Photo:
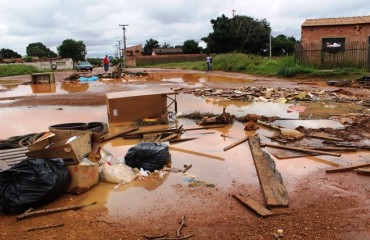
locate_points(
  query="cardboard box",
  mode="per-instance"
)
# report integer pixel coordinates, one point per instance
(136, 105)
(83, 177)
(70, 145)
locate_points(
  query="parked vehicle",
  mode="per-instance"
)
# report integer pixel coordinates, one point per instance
(84, 65)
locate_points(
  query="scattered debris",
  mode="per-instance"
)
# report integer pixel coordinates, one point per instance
(45, 227)
(187, 167)
(223, 118)
(291, 134)
(192, 182)
(29, 213)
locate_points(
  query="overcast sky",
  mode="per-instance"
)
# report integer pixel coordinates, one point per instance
(96, 22)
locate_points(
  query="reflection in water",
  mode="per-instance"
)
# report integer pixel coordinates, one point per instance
(43, 88)
(193, 78)
(73, 87)
(9, 86)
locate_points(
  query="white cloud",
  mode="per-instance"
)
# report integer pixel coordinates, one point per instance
(97, 22)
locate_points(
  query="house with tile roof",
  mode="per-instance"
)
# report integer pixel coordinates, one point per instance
(336, 40)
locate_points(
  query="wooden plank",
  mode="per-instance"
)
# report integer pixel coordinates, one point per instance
(121, 133)
(270, 179)
(181, 140)
(343, 169)
(255, 206)
(363, 170)
(236, 143)
(301, 149)
(325, 137)
(172, 136)
(284, 154)
(196, 153)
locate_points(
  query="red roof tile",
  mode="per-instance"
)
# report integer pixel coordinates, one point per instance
(336, 21)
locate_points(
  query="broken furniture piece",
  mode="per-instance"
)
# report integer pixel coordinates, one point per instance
(47, 77)
(137, 105)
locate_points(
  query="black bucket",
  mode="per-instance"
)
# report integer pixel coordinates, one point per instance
(70, 126)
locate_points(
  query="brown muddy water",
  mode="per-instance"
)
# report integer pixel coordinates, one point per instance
(209, 162)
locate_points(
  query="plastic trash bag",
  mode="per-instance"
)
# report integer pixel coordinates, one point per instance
(32, 183)
(117, 173)
(89, 79)
(148, 155)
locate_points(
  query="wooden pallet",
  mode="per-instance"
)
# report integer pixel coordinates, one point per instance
(11, 157)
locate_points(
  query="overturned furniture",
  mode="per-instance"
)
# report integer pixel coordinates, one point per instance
(47, 77)
(135, 105)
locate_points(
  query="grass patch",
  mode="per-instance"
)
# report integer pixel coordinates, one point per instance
(19, 69)
(258, 65)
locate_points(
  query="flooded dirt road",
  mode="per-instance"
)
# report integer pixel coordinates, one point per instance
(321, 205)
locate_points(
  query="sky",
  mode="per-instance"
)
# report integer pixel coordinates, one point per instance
(96, 22)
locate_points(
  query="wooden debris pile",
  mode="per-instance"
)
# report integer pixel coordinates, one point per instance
(223, 118)
(279, 95)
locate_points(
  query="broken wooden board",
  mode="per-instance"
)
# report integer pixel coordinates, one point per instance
(283, 154)
(255, 206)
(270, 179)
(325, 136)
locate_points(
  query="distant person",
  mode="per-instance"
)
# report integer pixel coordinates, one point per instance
(106, 63)
(209, 62)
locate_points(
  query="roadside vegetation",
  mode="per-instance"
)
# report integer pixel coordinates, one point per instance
(259, 65)
(19, 69)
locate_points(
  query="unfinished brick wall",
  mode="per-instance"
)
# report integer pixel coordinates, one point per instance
(352, 33)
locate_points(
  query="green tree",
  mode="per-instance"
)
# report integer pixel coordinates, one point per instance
(8, 53)
(282, 45)
(148, 47)
(238, 34)
(166, 45)
(72, 49)
(191, 47)
(39, 50)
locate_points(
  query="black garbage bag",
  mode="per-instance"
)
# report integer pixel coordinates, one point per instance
(148, 155)
(32, 183)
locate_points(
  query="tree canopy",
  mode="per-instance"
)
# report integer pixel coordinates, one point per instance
(72, 49)
(148, 47)
(8, 53)
(191, 47)
(282, 45)
(39, 50)
(238, 34)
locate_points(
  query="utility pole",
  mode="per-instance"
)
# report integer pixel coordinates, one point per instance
(119, 48)
(270, 53)
(116, 51)
(124, 41)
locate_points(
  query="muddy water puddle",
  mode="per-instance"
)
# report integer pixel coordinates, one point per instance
(209, 162)
(15, 87)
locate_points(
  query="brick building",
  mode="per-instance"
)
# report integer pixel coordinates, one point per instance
(333, 42)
